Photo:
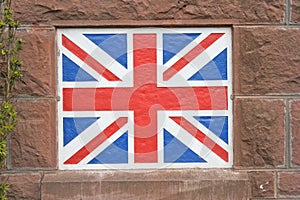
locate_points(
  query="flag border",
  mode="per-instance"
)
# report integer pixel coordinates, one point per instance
(61, 166)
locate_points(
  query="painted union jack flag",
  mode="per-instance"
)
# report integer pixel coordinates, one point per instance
(144, 98)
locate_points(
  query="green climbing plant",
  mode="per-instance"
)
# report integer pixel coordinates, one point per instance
(3, 191)
(10, 72)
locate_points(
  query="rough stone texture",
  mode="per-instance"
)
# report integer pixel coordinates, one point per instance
(295, 11)
(22, 186)
(33, 143)
(289, 184)
(266, 60)
(38, 62)
(273, 198)
(262, 184)
(258, 11)
(295, 120)
(259, 133)
(171, 185)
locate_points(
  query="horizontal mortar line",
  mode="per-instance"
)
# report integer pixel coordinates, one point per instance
(141, 179)
(37, 98)
(280, 197)
(135, 177)
(294, 169)
(34, 98)
(28, 171)
(271, 96)
(101, 171)
(158, 23)
(147, 23)
(296, 24)
(40, 27)
(140, 23)
(287, 197)
(279, 25)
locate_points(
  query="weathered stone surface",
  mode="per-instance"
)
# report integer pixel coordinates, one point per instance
(174, 190)
(266, 60)
(266, 11)
(171, 185)
(262, 184)
(289, 183)
(295, 120)
(33, 143)
(295, 11)
(39, 68)
(22, 186)
(259, 133)
(273, 198)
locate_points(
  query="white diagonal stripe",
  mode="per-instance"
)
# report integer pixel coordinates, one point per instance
(200, 61)
(204, 58)
(191, 142)
(104, 145)
(86, 136)
(97, 53)
(185, 50)
(81, 64)
(207, 132)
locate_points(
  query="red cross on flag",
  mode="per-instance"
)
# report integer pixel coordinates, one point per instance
(145, 98)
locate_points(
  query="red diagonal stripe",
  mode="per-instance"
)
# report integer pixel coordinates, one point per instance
(192, 54)
(96, 141)
(85, 57)
(201, 137)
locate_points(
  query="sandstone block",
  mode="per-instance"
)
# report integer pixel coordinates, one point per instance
(262, 184)
(259, 133)
(266, 60)
(39, 67)
(295, 127)
(289, 183)
(154, 185)
(33, 143)
(22, 186)
(295, 11)
(258, 11)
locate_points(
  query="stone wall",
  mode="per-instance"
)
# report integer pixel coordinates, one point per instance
(266, 65)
